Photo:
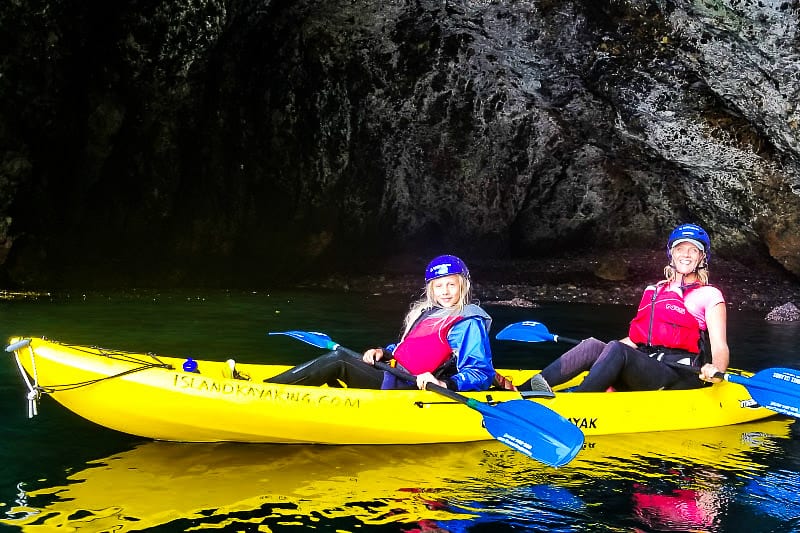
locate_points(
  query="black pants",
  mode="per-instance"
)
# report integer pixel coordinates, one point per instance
(619, 365)
(332, 369)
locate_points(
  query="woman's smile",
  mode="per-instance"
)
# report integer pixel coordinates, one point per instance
(686, 257)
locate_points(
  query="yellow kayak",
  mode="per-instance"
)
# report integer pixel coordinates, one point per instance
(152, 396)
(159, 483)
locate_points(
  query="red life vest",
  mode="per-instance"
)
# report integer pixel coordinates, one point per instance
(425, 347)
(663, 320)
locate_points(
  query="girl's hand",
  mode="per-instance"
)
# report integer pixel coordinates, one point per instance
(425, 378)
(372, 355)
(708, 372)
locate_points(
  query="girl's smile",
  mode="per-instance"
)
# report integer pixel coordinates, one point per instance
(447, 290)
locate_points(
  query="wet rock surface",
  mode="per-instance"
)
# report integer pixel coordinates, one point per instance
(787, 312)
(575, 279)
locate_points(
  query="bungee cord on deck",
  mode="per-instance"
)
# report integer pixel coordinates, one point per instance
(35, 390)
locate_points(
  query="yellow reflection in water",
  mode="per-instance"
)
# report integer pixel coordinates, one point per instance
(160, 482)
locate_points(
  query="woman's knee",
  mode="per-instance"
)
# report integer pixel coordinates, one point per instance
(593, 344)
(614, 350)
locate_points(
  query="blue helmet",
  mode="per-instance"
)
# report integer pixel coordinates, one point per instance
(690, 233)
(445, 265)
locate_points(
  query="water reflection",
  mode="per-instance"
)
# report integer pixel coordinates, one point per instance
(665, 481)
(699, 507)
(777, 495)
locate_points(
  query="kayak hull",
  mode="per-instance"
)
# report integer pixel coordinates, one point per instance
(151, 396)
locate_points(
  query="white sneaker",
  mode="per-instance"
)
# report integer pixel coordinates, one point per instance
(538, 388)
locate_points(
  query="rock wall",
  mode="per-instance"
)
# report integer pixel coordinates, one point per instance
(254, 141)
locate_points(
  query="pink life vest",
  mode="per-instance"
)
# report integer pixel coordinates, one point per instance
(663, 320)
(425, 347)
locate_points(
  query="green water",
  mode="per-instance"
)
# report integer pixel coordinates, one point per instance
(60, 469)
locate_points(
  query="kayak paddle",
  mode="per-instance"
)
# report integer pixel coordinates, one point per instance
(530, 331)
(525, 426)
(777, 389)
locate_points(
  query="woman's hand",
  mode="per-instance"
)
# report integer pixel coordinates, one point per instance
(708, 373)
(425, 378)
(372, 355)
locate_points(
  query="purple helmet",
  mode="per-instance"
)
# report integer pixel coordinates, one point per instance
(445, 265)
(690, 233)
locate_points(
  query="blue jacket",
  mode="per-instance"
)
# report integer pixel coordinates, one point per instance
(470, 341)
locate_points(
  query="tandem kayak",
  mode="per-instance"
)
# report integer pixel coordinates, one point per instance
(151, 396)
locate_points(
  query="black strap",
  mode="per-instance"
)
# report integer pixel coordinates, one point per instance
(671, 355)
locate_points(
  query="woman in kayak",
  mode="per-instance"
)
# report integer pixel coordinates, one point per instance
(445, 341)
(678, 333)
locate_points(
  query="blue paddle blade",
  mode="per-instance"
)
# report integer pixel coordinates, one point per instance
(532, 429)
(320, 340)
(527, 331)
(777, 389)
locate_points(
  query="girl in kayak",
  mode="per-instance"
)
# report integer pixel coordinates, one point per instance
(678, 333)
(445, 341)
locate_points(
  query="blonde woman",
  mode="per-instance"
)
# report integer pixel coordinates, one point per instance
(445, 341)
(678, 334)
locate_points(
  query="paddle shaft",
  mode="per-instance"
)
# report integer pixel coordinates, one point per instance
(558, 338)
(397, 372)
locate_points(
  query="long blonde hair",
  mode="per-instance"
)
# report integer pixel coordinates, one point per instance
(429, 302)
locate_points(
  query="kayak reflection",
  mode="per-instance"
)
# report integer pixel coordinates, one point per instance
(209, 485)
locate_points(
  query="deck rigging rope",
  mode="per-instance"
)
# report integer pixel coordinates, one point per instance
(35, 390)
(58, 388)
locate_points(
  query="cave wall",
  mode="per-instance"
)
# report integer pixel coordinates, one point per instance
(245, 142)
